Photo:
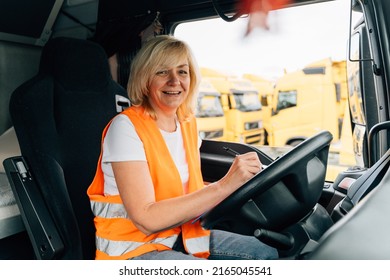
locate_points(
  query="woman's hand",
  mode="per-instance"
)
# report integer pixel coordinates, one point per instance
(244, 167)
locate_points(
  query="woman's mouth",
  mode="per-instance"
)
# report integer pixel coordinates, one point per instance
(172, 92)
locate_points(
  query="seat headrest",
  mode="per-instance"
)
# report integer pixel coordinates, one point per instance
(76, 64)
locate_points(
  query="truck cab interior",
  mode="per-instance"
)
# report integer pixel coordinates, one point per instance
(59, 88)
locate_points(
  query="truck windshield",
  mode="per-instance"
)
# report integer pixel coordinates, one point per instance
(248, 101)
(209, 106)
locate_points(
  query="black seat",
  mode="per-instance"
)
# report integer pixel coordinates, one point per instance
(58, 117)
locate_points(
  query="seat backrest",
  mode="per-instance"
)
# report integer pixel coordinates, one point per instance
(58, 117)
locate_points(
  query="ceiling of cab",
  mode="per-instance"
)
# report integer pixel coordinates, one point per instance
(174, 10)
(33, 22)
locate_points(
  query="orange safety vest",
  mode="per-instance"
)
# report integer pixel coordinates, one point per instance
(116, 236)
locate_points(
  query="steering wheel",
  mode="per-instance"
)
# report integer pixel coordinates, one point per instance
(283, 193)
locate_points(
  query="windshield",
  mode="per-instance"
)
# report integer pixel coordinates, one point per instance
(247, 102)
(209, 106)
(263, 55)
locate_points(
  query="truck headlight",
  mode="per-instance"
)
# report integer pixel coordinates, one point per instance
(253, 125)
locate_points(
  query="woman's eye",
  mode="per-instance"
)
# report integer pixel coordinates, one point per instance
(162, 72)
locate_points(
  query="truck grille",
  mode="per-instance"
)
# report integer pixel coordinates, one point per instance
(253, 139)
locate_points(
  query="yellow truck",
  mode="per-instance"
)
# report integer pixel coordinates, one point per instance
(307, 101)
(241, 105)
(209, 112)
(299, 100)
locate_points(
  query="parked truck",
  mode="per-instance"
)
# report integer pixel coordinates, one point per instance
(298, 102)
(307, 101)
(209, 112)
(241, 105)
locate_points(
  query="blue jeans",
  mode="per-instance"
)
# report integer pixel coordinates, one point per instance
(223, 246)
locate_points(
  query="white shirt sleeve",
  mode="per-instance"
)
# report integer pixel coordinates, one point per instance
(122, 142)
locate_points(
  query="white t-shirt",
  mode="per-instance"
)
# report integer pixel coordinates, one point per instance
(122, 143)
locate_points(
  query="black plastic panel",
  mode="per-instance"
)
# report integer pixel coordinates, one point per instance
(40, 227)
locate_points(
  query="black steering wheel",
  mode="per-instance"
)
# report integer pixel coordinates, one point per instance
(283, 193)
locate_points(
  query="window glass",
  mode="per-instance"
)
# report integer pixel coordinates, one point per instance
(248, 101)
(299, 62)
(208, 106)
(287, 99)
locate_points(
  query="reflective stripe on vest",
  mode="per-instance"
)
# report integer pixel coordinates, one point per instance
(118, 248)
(109, 210)
(198, 244)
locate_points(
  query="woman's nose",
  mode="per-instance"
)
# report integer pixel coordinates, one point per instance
(173, 79)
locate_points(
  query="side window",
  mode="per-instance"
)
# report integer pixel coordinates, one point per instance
(286, 99)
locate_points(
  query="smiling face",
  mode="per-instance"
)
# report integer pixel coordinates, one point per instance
(164, 78)
(169, 87)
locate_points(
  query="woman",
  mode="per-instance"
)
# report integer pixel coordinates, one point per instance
(148, 188)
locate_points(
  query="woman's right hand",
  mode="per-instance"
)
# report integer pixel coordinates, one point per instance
(243, 168)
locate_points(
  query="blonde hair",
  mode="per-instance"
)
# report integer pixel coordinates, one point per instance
(157, 51)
